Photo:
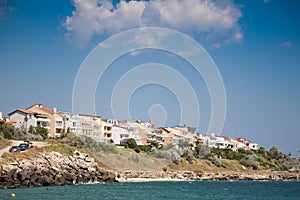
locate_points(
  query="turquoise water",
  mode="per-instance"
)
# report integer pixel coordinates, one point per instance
(164, 190)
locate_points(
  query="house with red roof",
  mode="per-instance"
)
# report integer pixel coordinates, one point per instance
(58, 123)
(36, 115)
(25, 118)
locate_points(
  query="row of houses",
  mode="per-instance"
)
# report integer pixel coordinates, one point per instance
(223, 142)
(116, 131)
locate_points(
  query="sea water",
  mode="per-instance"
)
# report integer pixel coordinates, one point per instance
(163, 190)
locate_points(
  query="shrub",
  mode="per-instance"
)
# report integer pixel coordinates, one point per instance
(73, 140)
(250, 161)
(202, 151)
(174, 154)
(92, 145)
(137, 149)
(131, 143)
(215, 160)
(189, 155)
(146, 148)
(7, 135)
(41, 131)
(274, 153)
(154, 144)
(261, 151)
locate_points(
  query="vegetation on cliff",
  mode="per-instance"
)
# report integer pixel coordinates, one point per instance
(155, 157)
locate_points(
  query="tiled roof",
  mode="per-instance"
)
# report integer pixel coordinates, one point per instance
(47, 110)
(26, 111)
(23, 111)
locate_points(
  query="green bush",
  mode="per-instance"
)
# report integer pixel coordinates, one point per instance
(73, 140)
(131, 143)
(215, 160)
(250, 161)
(41, 131)
(146, 148)
(174, 154)
(7, 135)
(189, 155)
(94, 146)
(137, 149)
(261, 151)
(202, 151)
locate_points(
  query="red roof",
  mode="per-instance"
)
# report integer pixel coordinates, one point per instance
(47, 110)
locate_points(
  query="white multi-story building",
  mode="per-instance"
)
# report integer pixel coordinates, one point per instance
(122, 130)
(87, 125)
(25, 119)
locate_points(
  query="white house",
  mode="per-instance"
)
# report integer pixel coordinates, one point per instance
(253, 146)
(25, 119)
(120, 134)
(122, 130)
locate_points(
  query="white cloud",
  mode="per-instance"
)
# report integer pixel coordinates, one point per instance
(287, 44)
(212, 20)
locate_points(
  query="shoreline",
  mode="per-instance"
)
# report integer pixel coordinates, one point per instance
(55, 169)
(146, 180)
(147, 176)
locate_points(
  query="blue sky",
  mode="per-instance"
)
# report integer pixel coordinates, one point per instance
(255, 45)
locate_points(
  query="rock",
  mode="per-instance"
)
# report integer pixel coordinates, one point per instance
(53, 169)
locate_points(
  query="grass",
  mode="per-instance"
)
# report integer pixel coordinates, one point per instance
(206, 166)
(128, 159)
(61, 148)
(24, 155)
(4, 142)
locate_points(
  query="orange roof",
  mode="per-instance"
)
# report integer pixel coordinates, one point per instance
(26, 111)
(47, 110)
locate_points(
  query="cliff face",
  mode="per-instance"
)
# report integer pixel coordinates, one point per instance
(53, 169)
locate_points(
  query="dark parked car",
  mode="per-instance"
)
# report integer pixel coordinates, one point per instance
(23, 146)
(29, 143)
(14, 149)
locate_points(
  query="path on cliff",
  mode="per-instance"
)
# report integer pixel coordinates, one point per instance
(17, 142)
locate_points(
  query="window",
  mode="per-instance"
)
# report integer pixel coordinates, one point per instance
(85, 126)
(58, 123)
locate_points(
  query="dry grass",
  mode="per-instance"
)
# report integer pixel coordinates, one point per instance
(24, 155)
(206, 166)
(4, 142)
(126, 159)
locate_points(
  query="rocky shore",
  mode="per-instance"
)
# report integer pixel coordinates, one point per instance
(57, 169)
(53, 169)
(128, 176)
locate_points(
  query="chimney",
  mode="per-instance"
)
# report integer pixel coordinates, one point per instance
(54, 110)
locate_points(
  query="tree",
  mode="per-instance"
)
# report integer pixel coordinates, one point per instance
(31, 130)
(261, 151)
(42, 131)
(274, 153)
(131, 143)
